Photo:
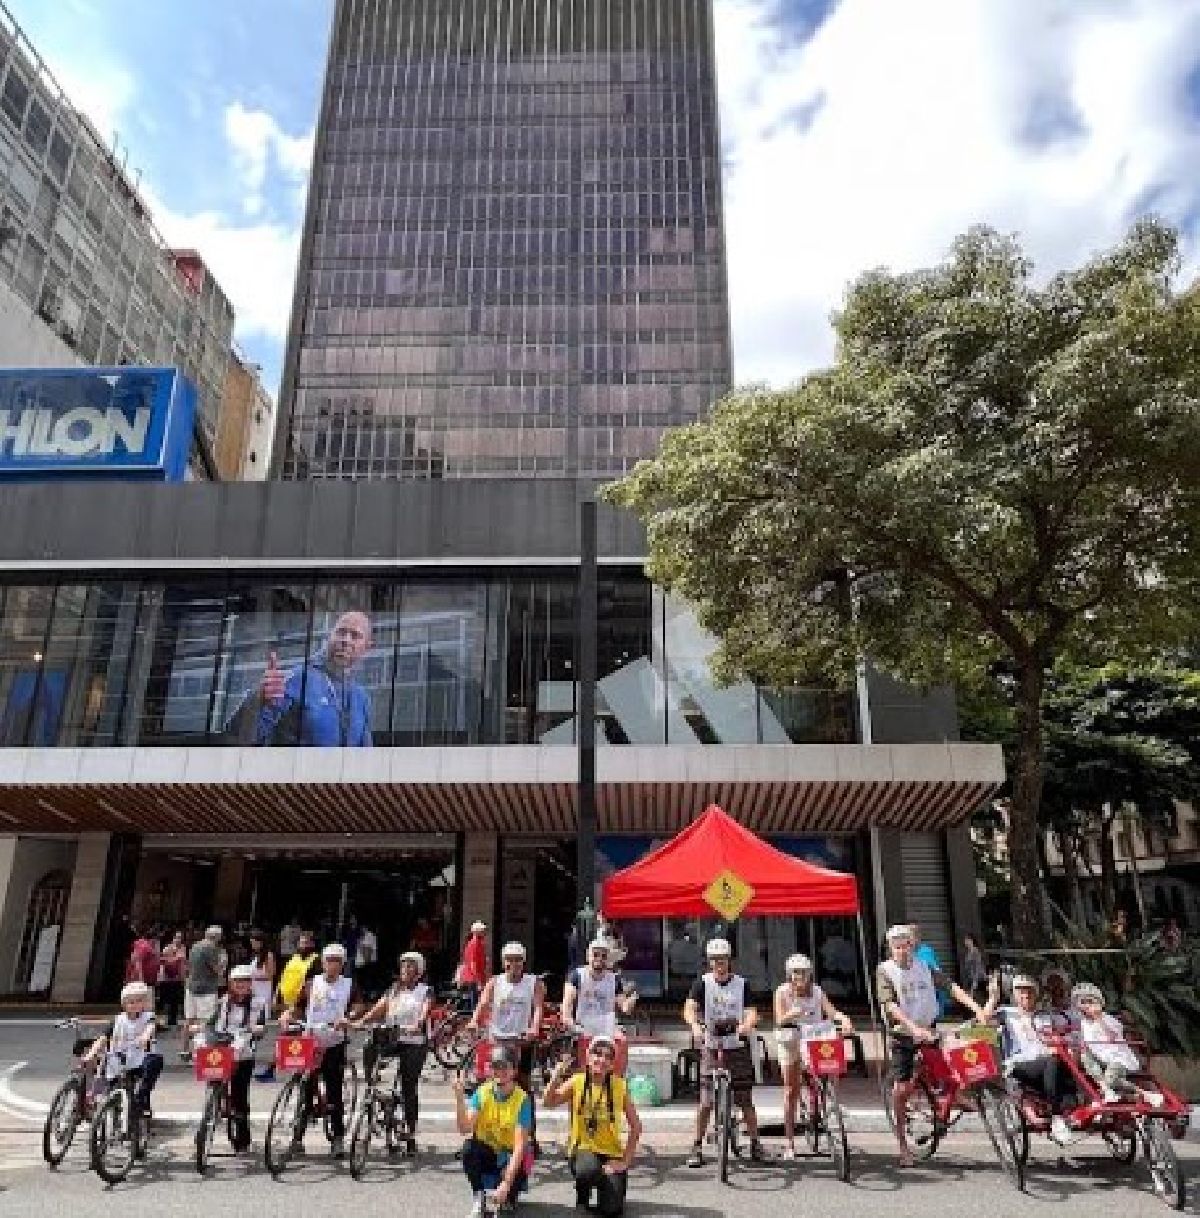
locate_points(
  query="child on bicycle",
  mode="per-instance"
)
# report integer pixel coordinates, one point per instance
(132, 1033)
(717, 1012)
(799, 1001)
(239, 1011)
(908, 990)
(1104, 1053)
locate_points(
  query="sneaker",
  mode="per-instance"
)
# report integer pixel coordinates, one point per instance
(297, 1146)
(1155, 1099)
(789, 1154)
(1109, 1096)
(266, 1075)
(410, 1147)
(337, 1148)
(477, 1206)
(696, 1158)
(1060, 1131)
(757, 1153)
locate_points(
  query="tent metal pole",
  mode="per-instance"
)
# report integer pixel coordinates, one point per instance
(871, 1007)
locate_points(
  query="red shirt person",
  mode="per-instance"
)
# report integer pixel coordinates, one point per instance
(474, 967)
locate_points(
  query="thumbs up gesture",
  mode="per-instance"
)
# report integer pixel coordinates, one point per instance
(272, 687)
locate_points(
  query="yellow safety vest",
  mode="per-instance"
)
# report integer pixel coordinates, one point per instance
(596, 1126)
(496, 1122)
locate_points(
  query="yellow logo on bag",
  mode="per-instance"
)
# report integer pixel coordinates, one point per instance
(970, 1056)
(296, 1047)
(826, 1049)
(729, 894)
(214, 1057)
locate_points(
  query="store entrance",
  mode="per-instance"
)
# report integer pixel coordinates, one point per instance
(405, 896)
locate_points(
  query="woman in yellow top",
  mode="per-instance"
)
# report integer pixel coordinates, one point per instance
(497, 1122)
(599, 1101)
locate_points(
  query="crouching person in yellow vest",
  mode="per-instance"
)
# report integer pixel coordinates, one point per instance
(497, 1122)
(600, 1104)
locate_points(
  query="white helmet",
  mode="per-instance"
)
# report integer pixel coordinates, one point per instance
(799, 963)
(241, 972)
(716, 949)
(414, 958)
(599, 945)
(334, 951)
(513, 951)
(135, 989)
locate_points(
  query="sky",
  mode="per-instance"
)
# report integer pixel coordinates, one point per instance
(855, 134)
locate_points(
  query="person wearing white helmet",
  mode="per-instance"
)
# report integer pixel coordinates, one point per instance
(404, 1009)
(1027, 1057)
(330, 1000)
(132, 1033)
(799, 1001)
(510, 1007)
(717, 1012)
(1105, 1053)
(908, 994)
(592, 997)
(242, 1014)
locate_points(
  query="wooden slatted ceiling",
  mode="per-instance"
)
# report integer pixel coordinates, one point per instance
(767, 807)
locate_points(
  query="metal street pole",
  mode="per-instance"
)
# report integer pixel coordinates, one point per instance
(585, 856)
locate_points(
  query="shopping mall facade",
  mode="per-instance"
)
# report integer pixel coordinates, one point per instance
(425, 773)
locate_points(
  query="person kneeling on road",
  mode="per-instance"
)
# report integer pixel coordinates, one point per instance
(599, 1099)
(497, 1122)
(717, 1013)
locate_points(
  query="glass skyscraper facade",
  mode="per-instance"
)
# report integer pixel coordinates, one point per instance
(513, 260)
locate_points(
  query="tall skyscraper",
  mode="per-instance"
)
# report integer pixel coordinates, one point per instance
(513, 255)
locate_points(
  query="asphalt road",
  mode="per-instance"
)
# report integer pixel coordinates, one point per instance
(963, 1179)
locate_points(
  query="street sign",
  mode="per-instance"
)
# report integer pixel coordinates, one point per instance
(729, 894)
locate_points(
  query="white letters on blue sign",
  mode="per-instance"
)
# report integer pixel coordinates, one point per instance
(82, 432)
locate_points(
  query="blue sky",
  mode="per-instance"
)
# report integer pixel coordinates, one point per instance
(857, 133)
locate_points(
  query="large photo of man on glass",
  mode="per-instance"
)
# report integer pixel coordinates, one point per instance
(321, 704)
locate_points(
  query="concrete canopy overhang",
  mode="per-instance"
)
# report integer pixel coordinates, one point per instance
(508, 789)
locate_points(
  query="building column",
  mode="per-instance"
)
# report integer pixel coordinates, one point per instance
(887, 883)
(227, 892)
(479, 883)
(964, 887)
(83, 913)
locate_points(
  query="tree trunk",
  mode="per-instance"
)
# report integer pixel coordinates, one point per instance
(1029, 901)
(1108, 865)
(1067, 846)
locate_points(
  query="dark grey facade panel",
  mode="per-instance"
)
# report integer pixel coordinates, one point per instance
(903, 714)
(205, 524)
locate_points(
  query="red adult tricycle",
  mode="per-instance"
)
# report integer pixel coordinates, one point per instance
(1126, 1127)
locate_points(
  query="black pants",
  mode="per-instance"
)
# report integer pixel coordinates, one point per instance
(333, 1067)
(410, 1061)
(589, 1173)
(1047, 1076)
(170, 1001)
(151, 1068)
(239, 1104)
(482, 1167)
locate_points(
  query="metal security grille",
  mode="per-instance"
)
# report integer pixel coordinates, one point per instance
(927, 893)
(514, 259)
(47, 907)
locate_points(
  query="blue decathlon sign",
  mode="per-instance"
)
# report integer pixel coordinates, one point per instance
(96, 422)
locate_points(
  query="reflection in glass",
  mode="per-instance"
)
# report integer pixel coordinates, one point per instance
(22, 646)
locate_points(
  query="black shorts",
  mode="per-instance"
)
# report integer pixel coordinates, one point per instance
(903, 1052)
(741, 1071)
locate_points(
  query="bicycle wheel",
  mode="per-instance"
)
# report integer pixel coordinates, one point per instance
(1166, 1172)
(814, 1123)
(361, 1129)
(452, 1042)
(208, 1125)
(921, 1122)
(350, 1080)
(62, 1121)
(285, 1122)
(835, 1128)
(723, 1114)
(1003, 1124)
(111, 1142)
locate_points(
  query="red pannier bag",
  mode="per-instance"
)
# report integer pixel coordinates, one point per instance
(213, 1063)
(296, 1053)
(826, 1056)
(973, 1062)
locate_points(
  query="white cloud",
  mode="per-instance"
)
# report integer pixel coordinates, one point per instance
(255, 138)
(919, 114)
(101, 91)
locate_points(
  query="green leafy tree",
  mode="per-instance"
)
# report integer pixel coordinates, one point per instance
(993, 470)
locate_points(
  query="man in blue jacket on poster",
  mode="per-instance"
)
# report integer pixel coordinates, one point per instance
(323, 708)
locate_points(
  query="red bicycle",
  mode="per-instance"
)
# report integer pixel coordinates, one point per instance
(75, 1101)
(1125, 1127)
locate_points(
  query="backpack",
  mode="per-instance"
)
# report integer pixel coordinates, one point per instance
(293, 977)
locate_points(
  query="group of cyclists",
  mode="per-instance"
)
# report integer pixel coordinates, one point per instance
(498, 1118)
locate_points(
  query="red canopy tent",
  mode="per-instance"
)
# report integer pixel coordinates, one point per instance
(671, 882)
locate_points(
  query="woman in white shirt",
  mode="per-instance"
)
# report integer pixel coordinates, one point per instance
(404, 1008)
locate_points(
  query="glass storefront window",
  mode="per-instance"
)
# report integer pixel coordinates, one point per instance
(22, 654)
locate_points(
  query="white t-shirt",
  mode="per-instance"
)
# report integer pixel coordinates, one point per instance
(1019, 1034)
(596, 1001)
(1105, 1038)
(803, 1008)
(723, 1003)
(512, 1006)
(916, 995)
(125, 1037)
(327, 1003)
(404, 1007)
(234, 1017)
(366, 949)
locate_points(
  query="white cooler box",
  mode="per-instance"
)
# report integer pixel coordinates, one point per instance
(654, 1061)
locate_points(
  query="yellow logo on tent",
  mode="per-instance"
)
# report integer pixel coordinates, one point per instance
(729, 894)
